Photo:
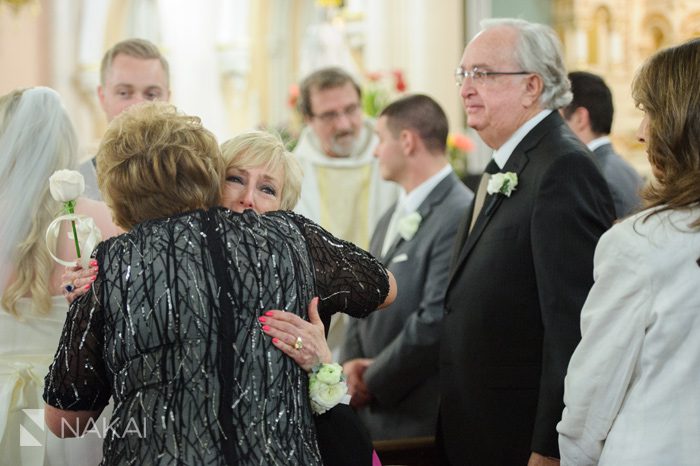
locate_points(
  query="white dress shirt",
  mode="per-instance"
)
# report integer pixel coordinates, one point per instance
(502, 154)
(597, 142)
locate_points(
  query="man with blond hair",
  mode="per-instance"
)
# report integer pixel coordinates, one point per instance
(132, 71)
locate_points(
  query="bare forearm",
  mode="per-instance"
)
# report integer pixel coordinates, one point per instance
(66, 424)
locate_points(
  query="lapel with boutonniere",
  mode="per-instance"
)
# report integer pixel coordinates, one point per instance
(410, 224)
(503, 186)
(413, 222)
(406, 228)
(500, 184)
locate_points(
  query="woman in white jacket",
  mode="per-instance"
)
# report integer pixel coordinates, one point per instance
(632, 391)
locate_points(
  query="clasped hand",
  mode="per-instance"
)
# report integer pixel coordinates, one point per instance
(285, 328)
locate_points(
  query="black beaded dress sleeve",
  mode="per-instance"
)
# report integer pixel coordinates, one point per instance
(348, 279)
(342, 437)
(84, 382)
(171, 332)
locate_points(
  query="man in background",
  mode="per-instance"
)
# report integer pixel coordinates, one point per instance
(392, 357)
(342, 189)
(132, 71)
(590, 116)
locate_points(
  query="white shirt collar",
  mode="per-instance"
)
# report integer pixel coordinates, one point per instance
(411, 201)
(502, 154)
(597, 142)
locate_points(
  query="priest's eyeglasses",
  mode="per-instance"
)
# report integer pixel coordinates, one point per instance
(479, 76)
(330, 117)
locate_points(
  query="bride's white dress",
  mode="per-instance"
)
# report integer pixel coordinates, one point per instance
(27, 347)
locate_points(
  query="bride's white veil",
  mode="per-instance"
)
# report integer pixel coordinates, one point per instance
(36, 139)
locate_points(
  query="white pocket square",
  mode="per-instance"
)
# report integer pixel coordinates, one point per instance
(400, 258)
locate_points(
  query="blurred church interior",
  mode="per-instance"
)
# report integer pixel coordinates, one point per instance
(235, 63)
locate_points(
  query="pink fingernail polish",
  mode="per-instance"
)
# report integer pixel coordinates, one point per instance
(87, 287)
(268, 313)
(266, 327)
(93, 278)
(262, 319)
(275, 340)
(93, 263)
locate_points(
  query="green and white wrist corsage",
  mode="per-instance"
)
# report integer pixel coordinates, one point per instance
(327, 387)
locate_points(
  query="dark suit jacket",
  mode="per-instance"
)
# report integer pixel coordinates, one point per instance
(623, 181)
(515, 292)
(404, 339)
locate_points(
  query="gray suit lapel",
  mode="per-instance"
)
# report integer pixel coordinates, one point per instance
(435, 197)
(375, 245)
(602, 154)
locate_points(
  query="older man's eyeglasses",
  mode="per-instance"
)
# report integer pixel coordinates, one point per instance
(479, 76)
(329, 117)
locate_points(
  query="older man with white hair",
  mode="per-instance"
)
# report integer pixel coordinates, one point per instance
(523, 262)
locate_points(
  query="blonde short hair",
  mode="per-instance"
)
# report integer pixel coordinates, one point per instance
(260, 148)
(155, 162)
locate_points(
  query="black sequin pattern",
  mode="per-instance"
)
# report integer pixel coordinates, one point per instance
(171, 332)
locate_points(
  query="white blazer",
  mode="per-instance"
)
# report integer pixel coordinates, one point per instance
(632, 391)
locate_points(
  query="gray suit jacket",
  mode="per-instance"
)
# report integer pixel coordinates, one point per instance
(87, 169)
(404, 339)
(624, 182)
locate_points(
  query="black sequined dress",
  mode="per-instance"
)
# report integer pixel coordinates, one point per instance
(171, 331)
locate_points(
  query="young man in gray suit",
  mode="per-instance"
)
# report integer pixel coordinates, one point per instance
(392, 358)
(590, 116)
(523, 264)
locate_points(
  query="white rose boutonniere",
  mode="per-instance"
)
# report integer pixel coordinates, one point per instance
(67, 186)
(327, 387)
(408, 225)
(502, 183)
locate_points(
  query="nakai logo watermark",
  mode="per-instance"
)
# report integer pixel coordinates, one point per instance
(32, 428)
